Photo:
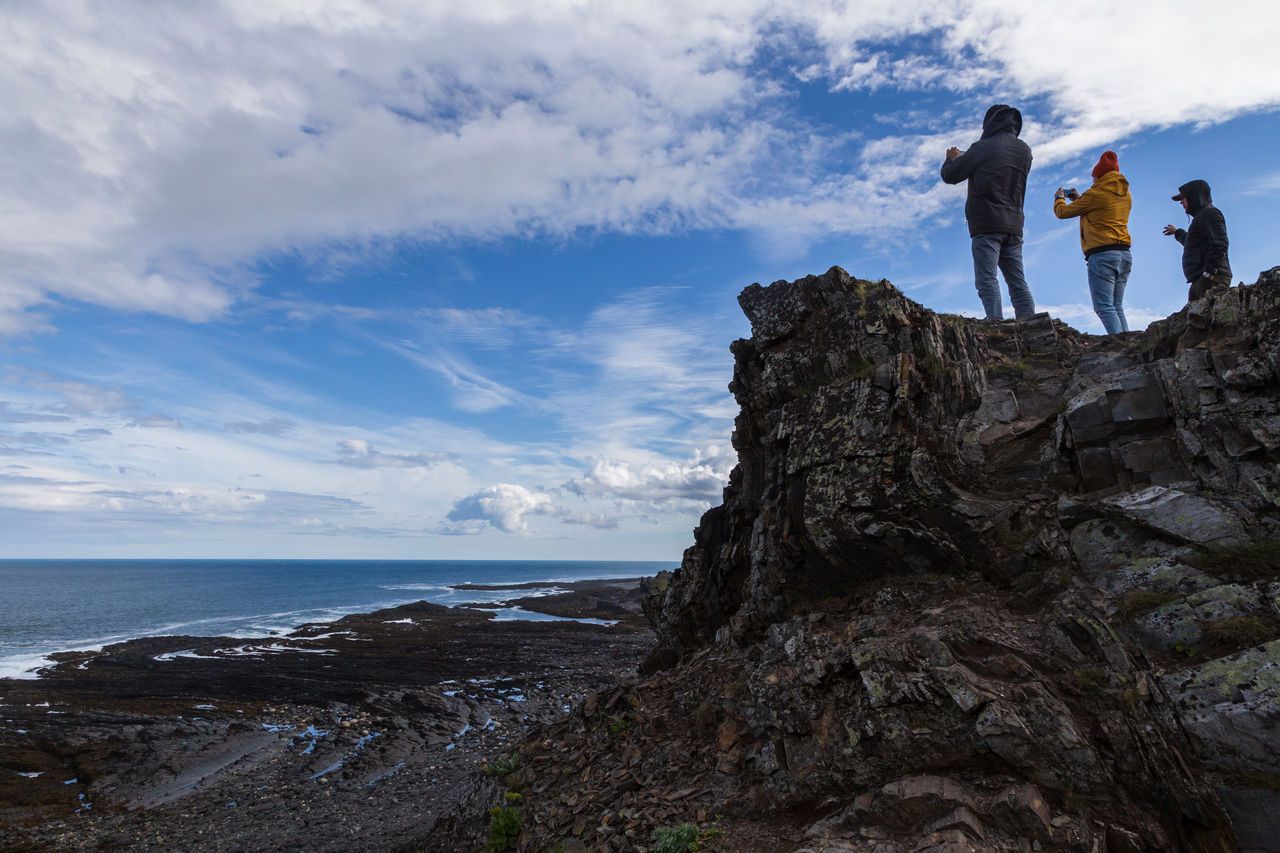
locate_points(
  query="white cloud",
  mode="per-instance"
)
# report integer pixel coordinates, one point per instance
(153, 157)
(507, 507)
(1083, 317)
(698, 481)
(692, 485)
(359, 453)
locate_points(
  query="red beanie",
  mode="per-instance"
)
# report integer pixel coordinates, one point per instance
(1108, 162)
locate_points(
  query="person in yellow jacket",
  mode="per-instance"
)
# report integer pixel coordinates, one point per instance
(1104, 235)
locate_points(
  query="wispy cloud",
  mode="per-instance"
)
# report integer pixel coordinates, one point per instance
(359, 453)
(269, 426)
(1264, 185)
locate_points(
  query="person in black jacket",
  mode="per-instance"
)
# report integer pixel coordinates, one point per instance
(996, 168)
(1204, 241)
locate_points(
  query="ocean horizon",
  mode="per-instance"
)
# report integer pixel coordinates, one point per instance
(58, 605)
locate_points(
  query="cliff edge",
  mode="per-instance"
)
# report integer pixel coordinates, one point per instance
(973, 586)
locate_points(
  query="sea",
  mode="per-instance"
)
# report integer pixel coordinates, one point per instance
(50, 606)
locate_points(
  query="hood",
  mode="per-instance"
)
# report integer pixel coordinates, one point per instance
(1001, 118)
(1197, 195)
(1112, 182)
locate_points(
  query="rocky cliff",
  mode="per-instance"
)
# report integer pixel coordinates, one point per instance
(973, 586)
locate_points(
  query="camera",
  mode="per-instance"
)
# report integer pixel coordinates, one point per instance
(1071, 192)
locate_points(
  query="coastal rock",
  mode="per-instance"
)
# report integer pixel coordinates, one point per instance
(997, 586)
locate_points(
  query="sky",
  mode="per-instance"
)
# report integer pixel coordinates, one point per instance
(426, 280)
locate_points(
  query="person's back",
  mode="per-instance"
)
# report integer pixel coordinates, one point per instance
(996, 168)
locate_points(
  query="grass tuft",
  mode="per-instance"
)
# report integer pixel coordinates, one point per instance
(1237, 632)
(1140, 602)
(1257, 561)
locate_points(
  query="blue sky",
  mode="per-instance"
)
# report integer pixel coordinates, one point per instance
(380, 279)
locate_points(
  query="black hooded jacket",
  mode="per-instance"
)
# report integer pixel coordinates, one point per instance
(1204, 241)
(996, 168)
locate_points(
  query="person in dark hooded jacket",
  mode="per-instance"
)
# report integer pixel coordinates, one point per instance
(1204, 241)
(996, 168)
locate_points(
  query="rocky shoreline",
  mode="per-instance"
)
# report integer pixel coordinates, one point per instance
(358, 734)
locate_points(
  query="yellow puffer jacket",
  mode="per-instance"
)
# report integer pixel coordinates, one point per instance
(1104, 213)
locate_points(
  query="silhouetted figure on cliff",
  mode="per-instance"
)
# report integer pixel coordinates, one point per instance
(996, 168)
(1104, 236)
(1204, 241)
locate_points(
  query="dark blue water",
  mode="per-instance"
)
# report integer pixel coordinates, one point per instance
(57, 605)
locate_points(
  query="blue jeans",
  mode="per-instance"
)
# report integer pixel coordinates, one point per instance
(1108, 274)
(1004, 251)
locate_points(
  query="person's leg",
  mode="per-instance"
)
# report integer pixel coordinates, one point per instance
(986, 252)
(1102, 282)
(1024, 305)
(1117, 292)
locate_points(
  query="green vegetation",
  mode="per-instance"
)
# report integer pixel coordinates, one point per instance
(1140, 602)
(1088, 680)
(1016, 370)
(1130, 699)
(619, 726)
(860, 367)
(504, 825)
(1027, 582)
(1253, 562)
(935, 370)
(1258, 780)
(503, 765)
(1075, 802)
(1237, 632)
(684, 838)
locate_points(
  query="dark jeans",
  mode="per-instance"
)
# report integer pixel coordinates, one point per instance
(1003, 251)
(1203, 285)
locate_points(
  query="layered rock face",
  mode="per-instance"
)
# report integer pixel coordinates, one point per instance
(973, 586)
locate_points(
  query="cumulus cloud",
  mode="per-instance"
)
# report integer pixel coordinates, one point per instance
(690, 485)
(152, 158)
(507, 507)
(698, 481)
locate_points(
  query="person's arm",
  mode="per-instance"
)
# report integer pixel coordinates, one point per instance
(1084, 203)
(961, 168)
(1176, 233)
(1215, 240)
